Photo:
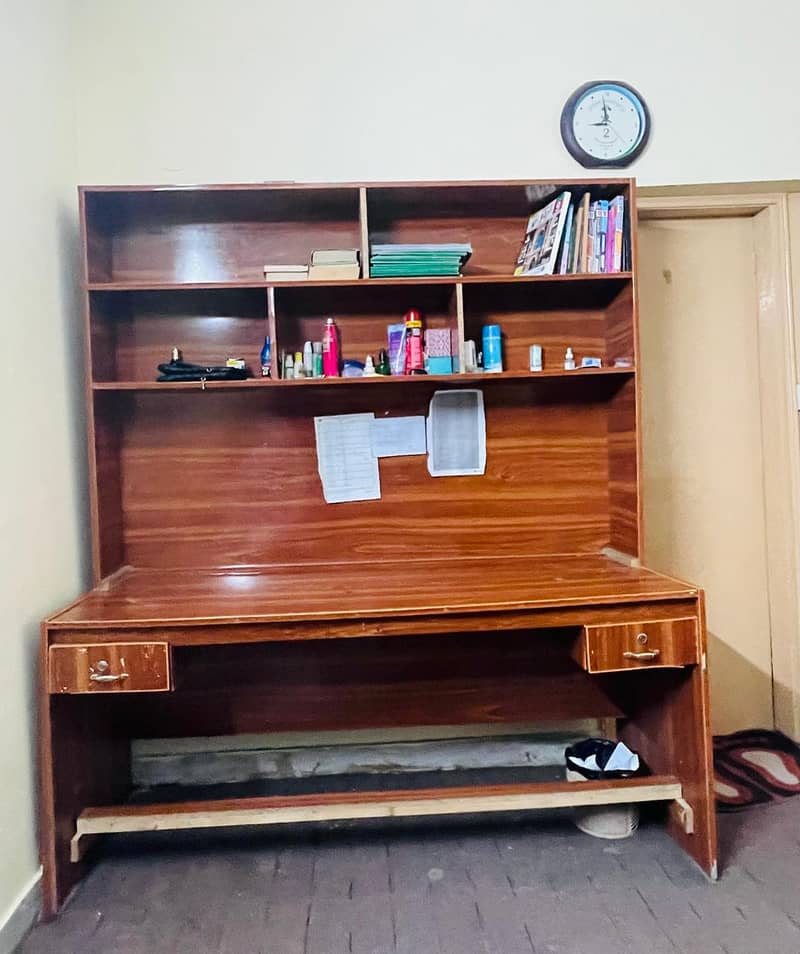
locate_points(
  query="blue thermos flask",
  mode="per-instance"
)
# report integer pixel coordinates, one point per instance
(492, 349)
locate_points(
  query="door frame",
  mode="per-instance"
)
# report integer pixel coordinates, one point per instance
(780, 433)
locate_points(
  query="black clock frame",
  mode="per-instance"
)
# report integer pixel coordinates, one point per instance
(578, 152)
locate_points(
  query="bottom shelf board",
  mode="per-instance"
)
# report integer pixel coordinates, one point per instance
(341, 806)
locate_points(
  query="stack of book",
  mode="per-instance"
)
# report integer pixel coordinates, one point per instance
(327, 265)
(334, 264)
(569, 237)
(395, 261)
(285, 273)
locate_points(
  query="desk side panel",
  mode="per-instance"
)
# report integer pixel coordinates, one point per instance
(82, 761)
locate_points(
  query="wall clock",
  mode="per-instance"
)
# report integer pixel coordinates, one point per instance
(605, 123)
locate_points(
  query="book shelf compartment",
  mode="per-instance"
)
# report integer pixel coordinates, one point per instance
(133, 332)
(362, 314)
(595, 321)
(192, 236)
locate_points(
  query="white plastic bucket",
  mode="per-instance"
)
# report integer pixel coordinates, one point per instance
(605, 821)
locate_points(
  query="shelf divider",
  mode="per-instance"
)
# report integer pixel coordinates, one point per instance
(364, 220)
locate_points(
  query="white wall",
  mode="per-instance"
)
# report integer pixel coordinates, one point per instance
(245, 90)
(42, 511)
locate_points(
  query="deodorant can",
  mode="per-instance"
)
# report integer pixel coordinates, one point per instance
(492, 349)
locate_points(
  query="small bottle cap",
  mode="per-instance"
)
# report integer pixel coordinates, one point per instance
(330, 321)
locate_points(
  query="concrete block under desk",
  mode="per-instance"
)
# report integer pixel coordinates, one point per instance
(218, 761)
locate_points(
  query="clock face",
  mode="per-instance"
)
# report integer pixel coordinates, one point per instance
(605, 124)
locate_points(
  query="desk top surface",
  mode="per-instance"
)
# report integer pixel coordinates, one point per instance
(276, 593)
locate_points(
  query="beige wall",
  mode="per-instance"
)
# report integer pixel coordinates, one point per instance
(42, 513)
(206, 90)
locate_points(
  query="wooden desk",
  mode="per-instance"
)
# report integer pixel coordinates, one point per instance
(331, 646)
(485, 598)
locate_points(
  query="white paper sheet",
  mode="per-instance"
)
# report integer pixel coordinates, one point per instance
(347, 467)
(398, 436)
(456, 433)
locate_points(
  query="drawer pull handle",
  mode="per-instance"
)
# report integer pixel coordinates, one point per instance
(644, 654)
(102, 674)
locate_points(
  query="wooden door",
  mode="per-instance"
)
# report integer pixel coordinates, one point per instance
(704, 511)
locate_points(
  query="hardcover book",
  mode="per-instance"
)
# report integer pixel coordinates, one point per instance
(539, 250)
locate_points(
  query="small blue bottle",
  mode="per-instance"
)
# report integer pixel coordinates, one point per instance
(266, 358)
(492, 349)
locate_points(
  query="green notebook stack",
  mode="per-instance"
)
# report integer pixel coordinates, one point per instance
(408, 261)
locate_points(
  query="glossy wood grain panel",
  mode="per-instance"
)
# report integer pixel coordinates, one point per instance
(324, 685)
(644, 644)
(620, 320)
(390, 588)
(106, 427)
(83, 760)
(623, 470)
(231, 478)
(199, 632)
(669, 725)
(109, 667)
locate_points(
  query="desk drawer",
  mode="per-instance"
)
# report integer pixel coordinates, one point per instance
(655, 644)
(110, 667)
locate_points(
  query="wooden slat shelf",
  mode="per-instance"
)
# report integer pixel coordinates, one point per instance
(360, 282)
(338, 806)
(251, 383)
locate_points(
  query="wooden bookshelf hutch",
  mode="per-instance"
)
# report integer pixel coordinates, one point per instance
(230, 598)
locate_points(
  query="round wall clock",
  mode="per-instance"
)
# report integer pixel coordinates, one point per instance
(605, 123)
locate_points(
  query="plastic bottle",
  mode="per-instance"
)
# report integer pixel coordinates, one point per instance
(308, 360)
(266, 358)
(317, 351)
(369, 367)
(415, 360)
(299, 369)
(569, 360)
(331, 357)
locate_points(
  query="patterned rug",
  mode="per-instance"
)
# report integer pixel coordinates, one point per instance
(754, 767)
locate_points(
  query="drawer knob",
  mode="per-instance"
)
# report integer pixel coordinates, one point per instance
(642, 639)
(99, 672)
(643, 655)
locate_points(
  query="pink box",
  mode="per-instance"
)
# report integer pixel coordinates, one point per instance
(437, 342)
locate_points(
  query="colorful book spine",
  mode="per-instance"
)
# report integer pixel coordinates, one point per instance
(619, 219)
(601, 231)
(608, 264)
(590, 234)
(566, 244)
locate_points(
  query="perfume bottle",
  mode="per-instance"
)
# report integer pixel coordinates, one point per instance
(266, 358)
